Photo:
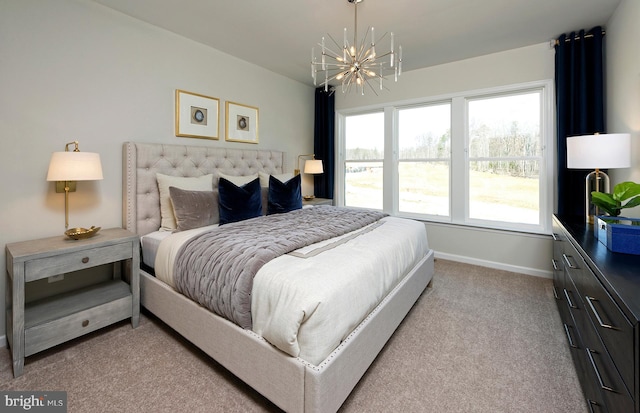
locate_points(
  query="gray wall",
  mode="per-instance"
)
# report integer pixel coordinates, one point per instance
(623, 87)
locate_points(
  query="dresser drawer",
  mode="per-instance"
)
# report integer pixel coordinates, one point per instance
(603, 374)
(612, 326)
(74, 261)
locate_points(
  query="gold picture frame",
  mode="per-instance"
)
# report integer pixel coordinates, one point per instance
(241, 123)
(197, 116)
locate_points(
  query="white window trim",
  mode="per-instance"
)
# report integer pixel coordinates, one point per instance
(459, 202)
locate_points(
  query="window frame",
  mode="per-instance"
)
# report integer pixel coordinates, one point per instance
(459, 199)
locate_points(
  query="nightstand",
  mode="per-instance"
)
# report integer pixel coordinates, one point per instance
(317, 201)
(38, 325)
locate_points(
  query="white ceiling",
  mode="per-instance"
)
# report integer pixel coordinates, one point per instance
(279, 34)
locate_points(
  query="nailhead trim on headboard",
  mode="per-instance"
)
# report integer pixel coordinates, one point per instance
(141, 162)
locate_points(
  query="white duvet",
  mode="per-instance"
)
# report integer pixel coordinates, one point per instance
(307, 306)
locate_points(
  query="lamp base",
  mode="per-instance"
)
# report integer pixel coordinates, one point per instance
(595, 181)
(81, 233)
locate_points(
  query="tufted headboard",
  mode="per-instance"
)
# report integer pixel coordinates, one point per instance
(141, 162)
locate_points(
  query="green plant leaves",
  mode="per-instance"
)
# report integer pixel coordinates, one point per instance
(612, 203)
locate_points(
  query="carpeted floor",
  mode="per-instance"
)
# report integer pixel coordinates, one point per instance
(482, 340)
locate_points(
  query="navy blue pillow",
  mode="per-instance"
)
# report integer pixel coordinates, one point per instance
(237, 203)
(284, 196)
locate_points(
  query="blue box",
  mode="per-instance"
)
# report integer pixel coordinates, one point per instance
(619, 234)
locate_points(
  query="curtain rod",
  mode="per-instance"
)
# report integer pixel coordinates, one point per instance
(568, 39)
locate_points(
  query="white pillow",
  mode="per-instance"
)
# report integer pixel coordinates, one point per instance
(264, 178)
(238, 180)
(167, 216)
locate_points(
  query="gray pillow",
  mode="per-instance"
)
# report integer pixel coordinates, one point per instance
(194, 209)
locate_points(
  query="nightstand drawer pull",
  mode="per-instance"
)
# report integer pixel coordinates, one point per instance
(595, 369)
(85, 323)
(566, 259)
(85, 260)
(595, 312)
(569, 301)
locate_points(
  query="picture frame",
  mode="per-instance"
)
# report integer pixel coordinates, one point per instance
(197, 116)
(241, 123)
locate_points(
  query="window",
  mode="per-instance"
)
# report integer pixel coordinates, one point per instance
(424, 142)
(363, 168)
(475, 158)
(505, 155)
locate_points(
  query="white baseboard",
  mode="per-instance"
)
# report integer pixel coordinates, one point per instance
(497, 265)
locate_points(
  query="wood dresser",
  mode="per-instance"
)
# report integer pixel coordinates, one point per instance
(598, 297)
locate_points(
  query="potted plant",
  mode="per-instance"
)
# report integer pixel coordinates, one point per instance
(619, 234)
(627, 192)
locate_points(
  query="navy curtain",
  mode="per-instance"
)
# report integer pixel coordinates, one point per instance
(324, 142)
(579, 78)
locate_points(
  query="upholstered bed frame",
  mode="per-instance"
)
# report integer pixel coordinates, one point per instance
(291, 383)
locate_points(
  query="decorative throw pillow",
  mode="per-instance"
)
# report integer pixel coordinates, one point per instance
(237, 203)
(284, 196)
(264, 178)
(194, 209)
(238, 180)
(200, 183)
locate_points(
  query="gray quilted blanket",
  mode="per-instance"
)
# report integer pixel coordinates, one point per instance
(216, 268)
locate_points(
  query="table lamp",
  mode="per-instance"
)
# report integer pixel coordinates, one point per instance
(68, 167)
(599, 151)
(311, 166)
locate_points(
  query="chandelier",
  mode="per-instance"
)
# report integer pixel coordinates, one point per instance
(355, 65)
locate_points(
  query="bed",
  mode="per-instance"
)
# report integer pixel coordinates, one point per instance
(286, 376)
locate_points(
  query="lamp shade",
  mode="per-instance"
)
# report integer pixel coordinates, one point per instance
(612, 150)
(313, 166)
(74, 166)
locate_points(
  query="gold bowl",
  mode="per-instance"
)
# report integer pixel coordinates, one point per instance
(81, 233)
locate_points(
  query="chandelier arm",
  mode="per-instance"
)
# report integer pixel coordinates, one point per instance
(363, 43)
(334, 42)
(373, 89)
(331, 53)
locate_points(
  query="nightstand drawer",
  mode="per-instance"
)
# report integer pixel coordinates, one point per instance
(53, 321)
(74, 261)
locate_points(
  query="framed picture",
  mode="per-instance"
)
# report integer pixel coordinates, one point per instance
(241, 123)
(197, 116)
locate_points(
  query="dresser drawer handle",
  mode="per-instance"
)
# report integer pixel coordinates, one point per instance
(571, 343)
(592, 403)
(555, 236)
(85, 260)
(566, 259)
(85, 323)
(590, 301)
(569, 301)
(555, 265)
(555, 292)
(595, 369)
